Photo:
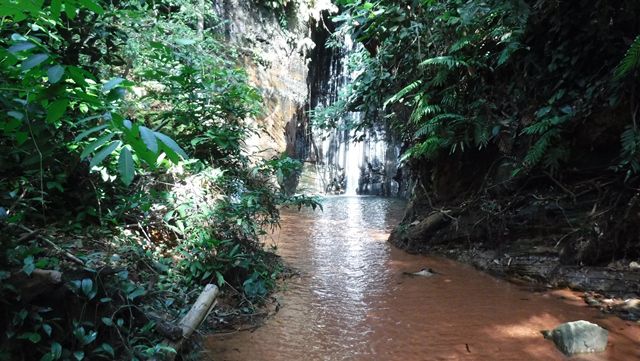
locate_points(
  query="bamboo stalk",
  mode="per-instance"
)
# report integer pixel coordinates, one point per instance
(192, 320)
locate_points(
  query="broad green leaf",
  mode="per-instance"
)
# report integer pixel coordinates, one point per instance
(185, 41)
(87, 286)
(90, 131)
(56, 110)
(220, 279)
(103, 153)
(16, 115)
(92, 5)
(55, 73)
(111, 84)
(32, 6)
(90, 337)
(95, 145)
(149, 139)
(79, 355)
(47, 357)
(21, 46)
(18, 37)
(31, 336)
(56, 6)
(56, 350)
(29, 265)
(132, 138)
(47, 329)
(93, 117)
(125, 166)
(136, 293)
(34, 60)
(21, 137)
(70, 9)
(78, 75)
(108, 349)
(171, 144)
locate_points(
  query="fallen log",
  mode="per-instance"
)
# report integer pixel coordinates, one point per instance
(51, 276)
(430, 223)
(191, 321)
(39, 282)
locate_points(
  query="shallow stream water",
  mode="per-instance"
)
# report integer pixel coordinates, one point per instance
(352, 301)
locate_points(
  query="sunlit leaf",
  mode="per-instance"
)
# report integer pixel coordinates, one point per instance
(172, 145)
(56, 110)
(21, 46)
(96, 144)
(125, 166)
(103, 153)
(92, 5)
(34, 60)
(54, 74)
(149, 139)
(114, 82)
(90, 131)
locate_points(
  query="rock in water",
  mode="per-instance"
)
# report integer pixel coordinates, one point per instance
(578, 337)
(425, 272)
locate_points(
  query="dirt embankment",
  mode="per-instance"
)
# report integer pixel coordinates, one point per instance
(580, 231)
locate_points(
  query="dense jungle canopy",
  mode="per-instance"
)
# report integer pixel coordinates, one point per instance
(127, 173)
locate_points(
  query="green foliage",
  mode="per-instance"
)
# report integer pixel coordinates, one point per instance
(46, 98)
(149, 94)
(519, 77)
(630, 152)
(631, 60)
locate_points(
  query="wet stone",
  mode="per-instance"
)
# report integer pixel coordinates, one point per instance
(578, 337)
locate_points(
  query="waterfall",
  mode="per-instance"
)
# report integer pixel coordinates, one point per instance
(335, 163)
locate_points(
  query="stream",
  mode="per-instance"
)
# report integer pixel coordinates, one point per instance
(352, 301)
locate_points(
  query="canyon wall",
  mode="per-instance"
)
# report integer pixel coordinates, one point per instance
(274, 46)
(285, 56)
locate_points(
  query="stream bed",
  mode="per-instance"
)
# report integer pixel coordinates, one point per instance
(352, 301)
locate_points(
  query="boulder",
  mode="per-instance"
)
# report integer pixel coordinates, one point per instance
(578, 337)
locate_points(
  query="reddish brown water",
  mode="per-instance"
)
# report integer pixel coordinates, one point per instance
(352, 301)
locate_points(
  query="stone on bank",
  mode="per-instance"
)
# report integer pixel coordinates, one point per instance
(578, 337)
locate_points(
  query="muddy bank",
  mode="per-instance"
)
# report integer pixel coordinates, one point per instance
(578, 232)
(613, 287)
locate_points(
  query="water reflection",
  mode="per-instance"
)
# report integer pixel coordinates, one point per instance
(351, 301)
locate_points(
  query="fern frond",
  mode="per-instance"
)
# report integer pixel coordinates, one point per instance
(439, 79)
(448, 61)
(629, 139)
(429, 128)
(538, 127)
(427, 148)
(631, 60)
(481, 135)
(432, 125)
(461, 44)
(444, 116)
(404, 91)
(423, 108)
(538, 150)
(448, 99)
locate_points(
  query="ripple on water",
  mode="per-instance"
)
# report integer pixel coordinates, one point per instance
(351, 301)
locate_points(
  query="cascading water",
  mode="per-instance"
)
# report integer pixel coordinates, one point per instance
(335, 163)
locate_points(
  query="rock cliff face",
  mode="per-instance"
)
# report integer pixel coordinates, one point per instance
(285, 57)
(274, 49)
